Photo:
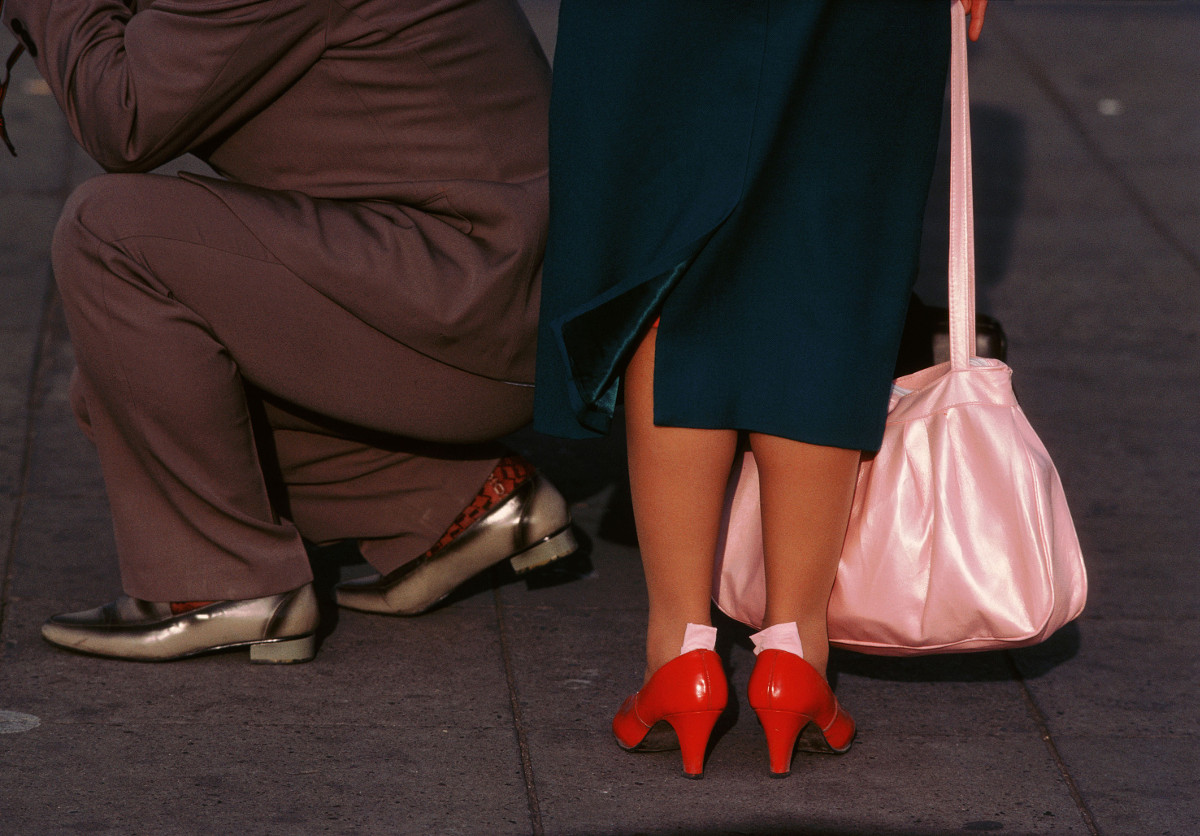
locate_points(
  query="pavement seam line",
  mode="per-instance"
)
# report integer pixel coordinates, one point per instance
(531, 796)
(1143, 206)
(1043, 726)
(33, 395)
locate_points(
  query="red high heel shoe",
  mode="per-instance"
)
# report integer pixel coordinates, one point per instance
(689, 693)
(790, 697)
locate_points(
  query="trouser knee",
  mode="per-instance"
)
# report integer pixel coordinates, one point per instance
(86, 229)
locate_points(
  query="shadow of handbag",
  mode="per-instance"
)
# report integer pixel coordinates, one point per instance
(960, 538)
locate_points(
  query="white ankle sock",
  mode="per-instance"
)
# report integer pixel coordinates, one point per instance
(698, 637)
(778, 637)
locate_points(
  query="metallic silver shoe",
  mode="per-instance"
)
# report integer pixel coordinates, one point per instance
(278, 628)
(529, 528)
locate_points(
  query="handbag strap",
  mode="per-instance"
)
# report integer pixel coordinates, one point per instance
(962, 214)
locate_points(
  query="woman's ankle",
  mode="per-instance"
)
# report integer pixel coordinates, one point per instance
(664, 645)
(698, 637)
(779, 637)
(813, 640)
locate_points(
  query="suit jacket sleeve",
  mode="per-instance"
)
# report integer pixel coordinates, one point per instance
(141, 85)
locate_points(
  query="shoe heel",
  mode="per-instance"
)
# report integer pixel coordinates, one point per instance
(693, 729)
(781, 728)
(549, 550)
(285, 652)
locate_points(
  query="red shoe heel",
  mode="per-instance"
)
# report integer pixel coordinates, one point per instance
(793, 702)
(781, 728)
(688, 693)
(693, 730)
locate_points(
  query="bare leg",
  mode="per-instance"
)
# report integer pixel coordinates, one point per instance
(678, 477)
(806, 493)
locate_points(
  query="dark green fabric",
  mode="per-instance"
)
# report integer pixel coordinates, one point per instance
(755, 172)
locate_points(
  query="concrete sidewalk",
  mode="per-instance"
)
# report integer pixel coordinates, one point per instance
(490, 715)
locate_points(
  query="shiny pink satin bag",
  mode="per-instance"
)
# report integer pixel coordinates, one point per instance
(960, 538)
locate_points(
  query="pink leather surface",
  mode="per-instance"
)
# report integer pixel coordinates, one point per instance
(960, 537)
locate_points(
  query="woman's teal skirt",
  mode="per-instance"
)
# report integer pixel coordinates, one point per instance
(754, 172)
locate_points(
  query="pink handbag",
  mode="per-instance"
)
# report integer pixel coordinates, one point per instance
(960, 537)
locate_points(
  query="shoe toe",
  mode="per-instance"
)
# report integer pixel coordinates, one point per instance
(531, 528)
(147, 631)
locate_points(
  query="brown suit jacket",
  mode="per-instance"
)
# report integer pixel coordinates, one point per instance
(392, 153)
